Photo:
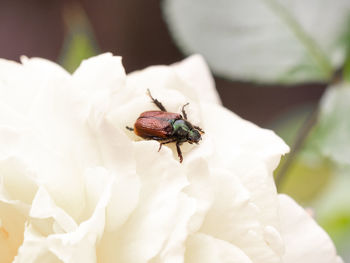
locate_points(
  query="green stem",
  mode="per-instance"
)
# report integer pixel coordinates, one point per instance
(297, 146)
(302, 135)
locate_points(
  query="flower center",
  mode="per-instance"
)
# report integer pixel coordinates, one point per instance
(3, 232)
(11, 232)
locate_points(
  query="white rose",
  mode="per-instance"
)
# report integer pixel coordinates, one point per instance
(77, 186)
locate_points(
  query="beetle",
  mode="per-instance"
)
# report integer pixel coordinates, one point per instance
(166, 127)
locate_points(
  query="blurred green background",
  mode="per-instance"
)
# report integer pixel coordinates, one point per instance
(284, 67)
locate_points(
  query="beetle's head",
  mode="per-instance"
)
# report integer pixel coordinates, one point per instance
(194, 136)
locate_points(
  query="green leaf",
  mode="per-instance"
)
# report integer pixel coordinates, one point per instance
(331, 135)
(307, 178)
(316, 182)
(79, 42)
(346, 42)
(332, 211)
(346, 71)
(309, 173)
(79, 48)
(263, 40)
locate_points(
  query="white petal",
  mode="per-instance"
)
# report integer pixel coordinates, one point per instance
(17, 190)
(96, 80)
(251, 154)
(80, 245)
(124, 197)
(148, 228)
(8, 139)
(115, 148)
(100, 73)
(44, 142)
(98, 193)
(12, 220)
(206, 249)
(73, 242)
(201, 189)
(43, 68)
(55, 170)
(234, 136)
(305, 241)
(258, 180)
(44, 128)
(196, 72)
(34, 249)
(44, 207)
(174, 248)
(17, 181)
(233, 217)
(20, 85)
(163, 79)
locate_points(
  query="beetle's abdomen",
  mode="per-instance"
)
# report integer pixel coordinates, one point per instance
(153, 124)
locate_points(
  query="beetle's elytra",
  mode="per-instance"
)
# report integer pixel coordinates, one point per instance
(166, 127)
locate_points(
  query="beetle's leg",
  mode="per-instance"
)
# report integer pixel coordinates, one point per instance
(179, 153)
(129, 128)
(198, 128)
(157, 138)
(183, 111)
(166, 142)
(155, 101)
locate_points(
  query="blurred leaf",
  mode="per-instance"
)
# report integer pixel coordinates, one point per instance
(266, 41)
(346, 41)
(338, 226)
(316, 182)
(309, 172)
(346, 71)
(79, 42)
(79, 48)
(333, 211)
(307, 178)
(290, 123)
(332, 133)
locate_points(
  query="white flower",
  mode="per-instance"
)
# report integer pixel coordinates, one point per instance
(77, 186)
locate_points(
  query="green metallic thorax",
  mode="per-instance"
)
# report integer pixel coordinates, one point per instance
(181, 126)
